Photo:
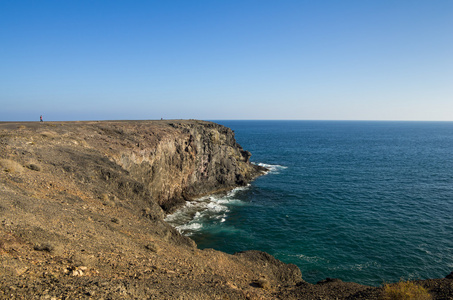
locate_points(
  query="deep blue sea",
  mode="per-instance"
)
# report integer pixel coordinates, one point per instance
(369, 202)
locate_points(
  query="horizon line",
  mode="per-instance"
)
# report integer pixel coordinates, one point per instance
(176, 119)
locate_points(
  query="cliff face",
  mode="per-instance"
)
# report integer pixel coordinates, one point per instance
(149, 167)
(82, 205)
(186, 160)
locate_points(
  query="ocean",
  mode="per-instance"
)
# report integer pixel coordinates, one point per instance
(363, 201)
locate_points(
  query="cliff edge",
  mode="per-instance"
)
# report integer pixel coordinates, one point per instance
(82, 207)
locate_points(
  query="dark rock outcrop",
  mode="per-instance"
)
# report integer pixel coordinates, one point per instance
(183, 161)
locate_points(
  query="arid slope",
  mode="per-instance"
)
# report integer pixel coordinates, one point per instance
(82, 207)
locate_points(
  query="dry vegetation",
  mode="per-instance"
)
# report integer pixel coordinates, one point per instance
(10, 166)
(405, 290)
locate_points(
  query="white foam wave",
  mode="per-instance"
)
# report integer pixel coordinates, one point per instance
(221, 216)
(310, 258)
(215, 207)
(275, 169)
(192, 227)
(209, 209)
(197, 215)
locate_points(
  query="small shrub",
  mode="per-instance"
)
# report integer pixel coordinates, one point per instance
(43, 247)
(12, 166)
(49, 134)
(262, 283)
(34, 167)
(405, 290)
(151, 247)
(105, 198)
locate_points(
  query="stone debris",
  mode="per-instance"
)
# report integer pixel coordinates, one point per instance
(85, 217)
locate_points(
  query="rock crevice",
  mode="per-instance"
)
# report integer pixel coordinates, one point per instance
(192, 160)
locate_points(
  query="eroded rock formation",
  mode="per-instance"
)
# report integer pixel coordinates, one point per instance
(82, 204)
(82, 208)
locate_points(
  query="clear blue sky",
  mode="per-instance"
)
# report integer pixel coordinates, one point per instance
(328, 60)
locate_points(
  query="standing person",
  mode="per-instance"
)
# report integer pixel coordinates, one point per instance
(40, 118)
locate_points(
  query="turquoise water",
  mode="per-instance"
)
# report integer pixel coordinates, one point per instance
(369, 202)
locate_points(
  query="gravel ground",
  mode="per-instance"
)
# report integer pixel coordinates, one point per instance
(74, 224)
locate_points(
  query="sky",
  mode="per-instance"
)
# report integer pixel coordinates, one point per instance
(213, 60)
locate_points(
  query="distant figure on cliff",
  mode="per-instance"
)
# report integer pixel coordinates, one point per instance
(40, 118)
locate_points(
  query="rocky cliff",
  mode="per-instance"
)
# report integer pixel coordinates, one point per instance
(82, 208)
(180, 162)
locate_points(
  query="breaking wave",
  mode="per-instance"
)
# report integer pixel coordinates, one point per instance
(206, 211)
(273, 169)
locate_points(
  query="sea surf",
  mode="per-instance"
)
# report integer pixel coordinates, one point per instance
(369, 202)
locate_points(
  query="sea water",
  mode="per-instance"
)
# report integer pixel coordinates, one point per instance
(369, 202)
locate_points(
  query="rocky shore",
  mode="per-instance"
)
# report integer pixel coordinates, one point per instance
(82, 207)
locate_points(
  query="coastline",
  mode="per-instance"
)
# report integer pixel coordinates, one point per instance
(83, 207)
